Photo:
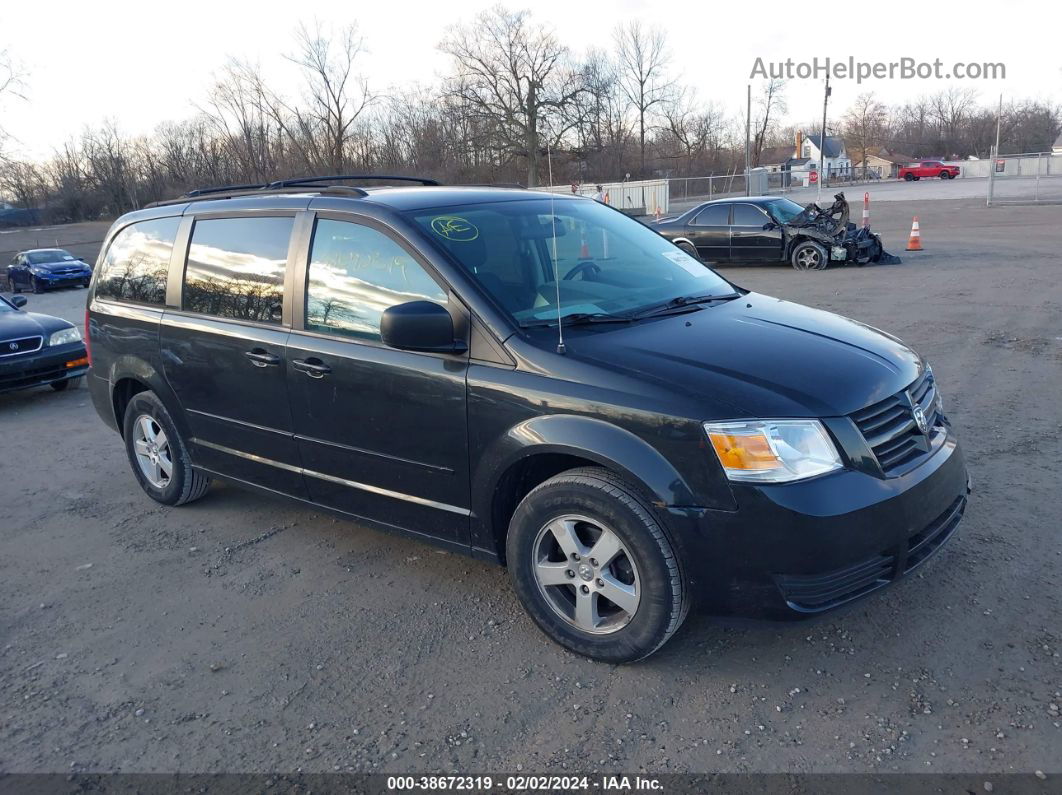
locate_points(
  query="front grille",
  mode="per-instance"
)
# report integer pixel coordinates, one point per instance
(890, 429)
(818, 592)
(21, 345)
(37, 375)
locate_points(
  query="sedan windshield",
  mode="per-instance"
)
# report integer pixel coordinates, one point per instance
(51, 255)
(784, 210)
(538, 256)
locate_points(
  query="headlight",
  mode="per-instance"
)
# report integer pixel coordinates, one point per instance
(40, 271)
(773, 451)
(64, 336)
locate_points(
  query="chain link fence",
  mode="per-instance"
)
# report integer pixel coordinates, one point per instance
(1030, 178)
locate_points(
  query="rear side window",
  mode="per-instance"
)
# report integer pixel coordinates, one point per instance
(715, 215)
(747, 215)
(138, 262)
(356, 272)
(236, 268)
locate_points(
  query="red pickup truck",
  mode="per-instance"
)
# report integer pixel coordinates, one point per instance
(928, 168)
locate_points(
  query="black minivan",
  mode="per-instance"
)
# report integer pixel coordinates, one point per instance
(530, 379)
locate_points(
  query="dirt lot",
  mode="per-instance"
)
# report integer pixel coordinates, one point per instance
(245, 634)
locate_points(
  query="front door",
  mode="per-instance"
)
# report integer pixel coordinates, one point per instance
(381, 432)
(754, 237)
(223, 352)
(709, 231)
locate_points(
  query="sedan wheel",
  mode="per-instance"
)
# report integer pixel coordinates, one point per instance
(586, 574)
(809, 256)
(38, 286)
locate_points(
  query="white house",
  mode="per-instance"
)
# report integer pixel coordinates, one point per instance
(836, 160)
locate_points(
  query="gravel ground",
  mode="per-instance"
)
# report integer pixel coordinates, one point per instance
(246, 634)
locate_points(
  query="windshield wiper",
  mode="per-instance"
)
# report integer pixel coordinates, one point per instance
(580, 318)
(682, 301)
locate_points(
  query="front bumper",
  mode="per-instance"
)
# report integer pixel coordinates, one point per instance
(46, 366)
(803, 548)
(63, 279)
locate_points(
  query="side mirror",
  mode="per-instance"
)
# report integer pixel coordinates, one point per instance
(18, 301)
(767, 227)
(420, 326)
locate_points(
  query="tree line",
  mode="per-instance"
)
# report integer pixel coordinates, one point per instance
(513, 95)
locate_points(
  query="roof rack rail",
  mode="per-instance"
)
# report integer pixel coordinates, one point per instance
(211, 194)
(284, 183)
(224, 189)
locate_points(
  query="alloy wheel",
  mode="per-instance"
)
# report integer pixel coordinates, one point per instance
(586, 574)
(152, 448)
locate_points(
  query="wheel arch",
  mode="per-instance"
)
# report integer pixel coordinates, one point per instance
(539, 448)
(130, 375)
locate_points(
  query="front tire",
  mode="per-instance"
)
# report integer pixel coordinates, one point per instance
(38, 287)
(908, 177)
(593, 567)
(67, 383)
(157, 453)
(808, 256)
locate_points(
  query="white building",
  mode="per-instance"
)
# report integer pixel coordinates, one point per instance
(836, 160)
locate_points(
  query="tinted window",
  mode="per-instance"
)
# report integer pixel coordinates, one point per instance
(715, 215)
(138, 262)
(606, 262)
(355, 274)
(747, 215)
(236, 268)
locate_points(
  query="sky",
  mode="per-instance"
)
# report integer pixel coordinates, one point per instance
(147, 62)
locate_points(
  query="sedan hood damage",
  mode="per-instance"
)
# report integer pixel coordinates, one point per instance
(844, 241)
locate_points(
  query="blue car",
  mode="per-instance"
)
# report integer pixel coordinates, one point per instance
(43, 268)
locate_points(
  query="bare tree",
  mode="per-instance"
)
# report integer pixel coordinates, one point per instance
(770, 105)
(864, 124)
(513, 77)
(695, 128)
(12, 84)
(643, 61)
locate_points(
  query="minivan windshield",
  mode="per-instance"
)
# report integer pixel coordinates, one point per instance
(608, 265)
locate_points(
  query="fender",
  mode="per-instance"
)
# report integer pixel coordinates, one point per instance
(128, 366)
(593, 439)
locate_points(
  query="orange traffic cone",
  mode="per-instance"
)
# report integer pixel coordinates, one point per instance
(584, 250)
(658, 212)
(915, 241)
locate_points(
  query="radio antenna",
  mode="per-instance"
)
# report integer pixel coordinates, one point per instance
(556, 272)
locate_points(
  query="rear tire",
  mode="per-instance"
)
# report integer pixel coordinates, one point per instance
(691, 250)
(557, 545)
(808, 256)
(153, 444)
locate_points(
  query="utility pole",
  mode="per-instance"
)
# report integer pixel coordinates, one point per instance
(748, 129)
(822, 140)
(999, 123)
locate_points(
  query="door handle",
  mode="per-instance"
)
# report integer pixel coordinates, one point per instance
(313, 367)
(262, 358)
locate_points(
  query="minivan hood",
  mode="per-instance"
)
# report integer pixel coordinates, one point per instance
(758, 356)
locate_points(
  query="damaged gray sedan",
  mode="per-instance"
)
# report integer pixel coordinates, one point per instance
(774, 229)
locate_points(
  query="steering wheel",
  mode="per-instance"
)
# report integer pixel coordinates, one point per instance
(584, 267)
